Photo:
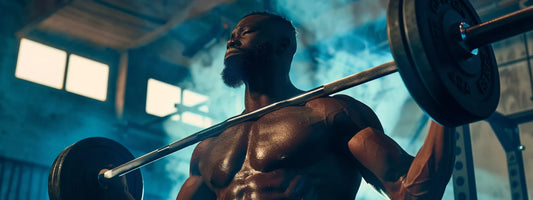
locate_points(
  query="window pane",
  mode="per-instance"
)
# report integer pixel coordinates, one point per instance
(161, 98)
(192, 98)
(87, 77)
(196, 120)
(41, 64)
(204, 108)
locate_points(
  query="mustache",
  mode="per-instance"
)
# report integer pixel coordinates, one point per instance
(234, 50)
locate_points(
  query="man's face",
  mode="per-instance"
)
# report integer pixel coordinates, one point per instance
(248, 50)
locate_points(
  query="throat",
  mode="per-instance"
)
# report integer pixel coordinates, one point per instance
(257, 98)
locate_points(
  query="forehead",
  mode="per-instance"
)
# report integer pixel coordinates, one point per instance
(256, 21)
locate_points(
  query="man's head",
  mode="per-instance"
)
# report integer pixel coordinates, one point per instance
(262, 44)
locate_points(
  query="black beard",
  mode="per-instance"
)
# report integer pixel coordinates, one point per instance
(241, 67)
(233, 72)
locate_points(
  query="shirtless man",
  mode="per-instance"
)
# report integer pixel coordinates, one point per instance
(317, 150)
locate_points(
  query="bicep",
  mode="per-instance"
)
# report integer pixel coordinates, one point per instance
(382, 161)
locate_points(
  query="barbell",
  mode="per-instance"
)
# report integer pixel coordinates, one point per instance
(440, 48)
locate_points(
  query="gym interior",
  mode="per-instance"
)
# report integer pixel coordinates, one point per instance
(146, 73)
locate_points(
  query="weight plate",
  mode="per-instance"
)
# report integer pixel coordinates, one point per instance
(452, 88)
(74, 173)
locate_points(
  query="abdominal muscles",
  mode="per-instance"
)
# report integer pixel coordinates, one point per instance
(326, 179)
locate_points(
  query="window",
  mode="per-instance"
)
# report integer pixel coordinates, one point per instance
(46, 65)
(196, 119)
(163, 99)
(87, 77)
(41, 64)
(192, 99)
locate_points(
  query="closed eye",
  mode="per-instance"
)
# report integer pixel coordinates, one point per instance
(246, 32)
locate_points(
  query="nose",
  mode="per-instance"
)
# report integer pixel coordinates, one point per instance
(233, 42)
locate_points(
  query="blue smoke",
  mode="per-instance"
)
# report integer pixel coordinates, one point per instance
(332, 45)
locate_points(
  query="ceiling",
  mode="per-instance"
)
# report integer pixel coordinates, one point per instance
(119, 24)
(181, 28)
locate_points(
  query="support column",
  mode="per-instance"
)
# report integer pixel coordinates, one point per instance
(464, 182)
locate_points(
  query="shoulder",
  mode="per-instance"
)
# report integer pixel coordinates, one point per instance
(196, 154)
(345, 110)
(339, 101)
(333, 103)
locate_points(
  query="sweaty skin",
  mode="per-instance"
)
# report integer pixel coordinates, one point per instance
(317, 150)
(293, 153)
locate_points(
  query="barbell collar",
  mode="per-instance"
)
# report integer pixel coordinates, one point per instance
(498, 29)
(324, 90)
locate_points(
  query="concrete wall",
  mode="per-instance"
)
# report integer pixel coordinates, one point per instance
(37, 122)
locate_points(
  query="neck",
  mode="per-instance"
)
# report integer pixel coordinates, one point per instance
(260, 93)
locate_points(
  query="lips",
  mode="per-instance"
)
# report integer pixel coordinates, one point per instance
(232, 52)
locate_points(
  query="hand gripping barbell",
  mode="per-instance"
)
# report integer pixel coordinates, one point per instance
(441, 50)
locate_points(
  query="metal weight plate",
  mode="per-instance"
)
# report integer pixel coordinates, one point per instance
(74, 173)
(452, 88)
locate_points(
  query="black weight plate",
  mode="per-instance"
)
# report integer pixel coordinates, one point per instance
(74, 173)
(452, 89)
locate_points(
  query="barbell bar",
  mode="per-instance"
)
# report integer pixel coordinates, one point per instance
(330, 88)
(472, 34)
(441, 50)
(499, 28)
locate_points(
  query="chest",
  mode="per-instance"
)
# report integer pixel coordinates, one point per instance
(290, 137)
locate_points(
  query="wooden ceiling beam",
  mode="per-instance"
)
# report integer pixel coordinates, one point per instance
(37, 11)
(195, 8)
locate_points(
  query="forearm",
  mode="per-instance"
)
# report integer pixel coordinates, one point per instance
(431, 169)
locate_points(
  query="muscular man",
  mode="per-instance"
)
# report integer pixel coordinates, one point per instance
(317, 150)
